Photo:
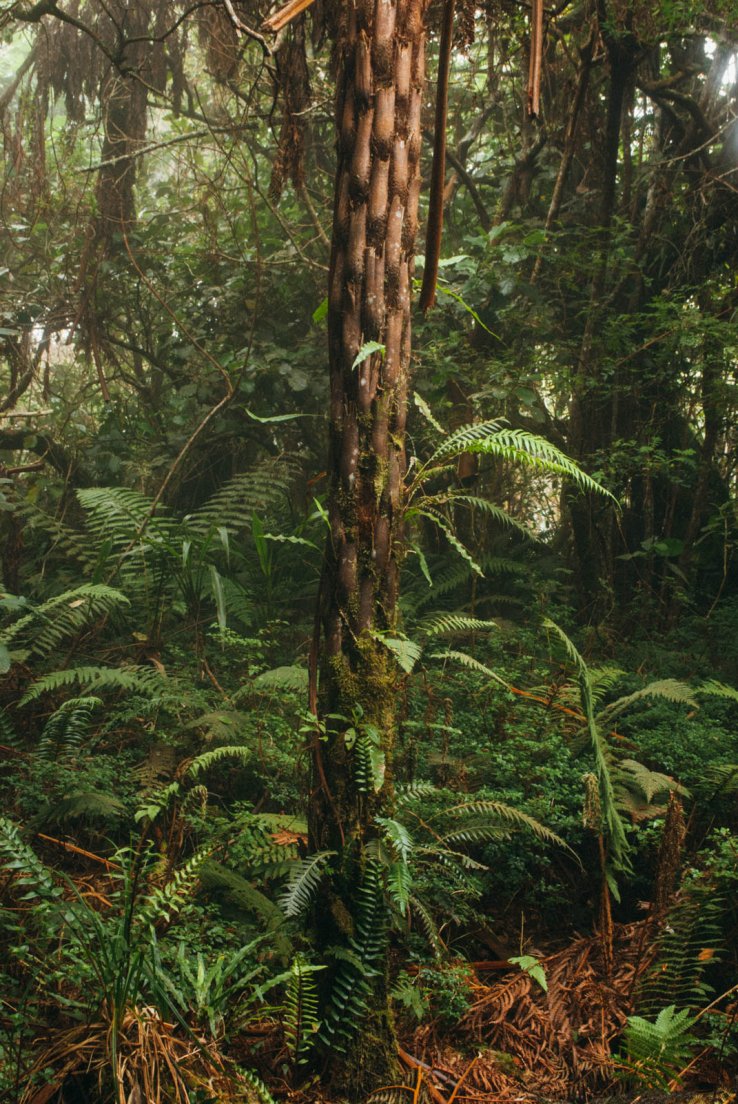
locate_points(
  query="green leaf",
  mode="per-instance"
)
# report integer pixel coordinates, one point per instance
(367, 350)
(275, 417)
(406, 652)
(321, 311)
(533, 967)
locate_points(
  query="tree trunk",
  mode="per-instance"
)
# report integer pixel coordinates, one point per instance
(381, 62)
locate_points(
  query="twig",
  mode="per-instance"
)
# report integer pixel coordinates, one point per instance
(285, 15)
(79, 851)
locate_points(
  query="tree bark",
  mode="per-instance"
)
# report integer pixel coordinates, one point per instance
(381, 68)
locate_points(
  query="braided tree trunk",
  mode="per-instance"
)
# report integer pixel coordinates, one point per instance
(381, 59)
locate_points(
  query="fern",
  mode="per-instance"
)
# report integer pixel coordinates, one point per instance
(31, 875)
(689, 941)
(239, 893)
(301, 1023)
(133, 680)
(516, 446)
(473, 665)
(303, 883)
(42, 630)
(399, 873)
(505, 817)
(352, 984)
(604, 762)
(656, 1051)
(67, 727)
(90, 806)
(164, 902)
(208, 759)
(669, 689)
(447, 529)
(447, 624)
(263, 489)
(283, 678)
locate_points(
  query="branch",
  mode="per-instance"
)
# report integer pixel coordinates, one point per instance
(30, 440)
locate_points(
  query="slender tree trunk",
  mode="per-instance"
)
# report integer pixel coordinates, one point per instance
(381, 60)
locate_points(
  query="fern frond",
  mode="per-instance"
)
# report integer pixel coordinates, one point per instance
(44, 628)
(507, 816)
(304, 882)
(446, 624)
(669, 689)
(428, 924)
(473, 665)
(446, 528)
(134, 680)
(516, 446)
(301, 1023)
(283, 678)
(603, 756)
(208, 759)
(91, 806)
(715, 689)
(32, 876)
(68, 726)
(483, 505)
(164, 902)
(242, 895)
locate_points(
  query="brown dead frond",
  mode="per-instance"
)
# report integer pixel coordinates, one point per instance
(556, 1044)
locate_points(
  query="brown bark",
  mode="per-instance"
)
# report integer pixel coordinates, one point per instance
(381, 67)
(381, 59)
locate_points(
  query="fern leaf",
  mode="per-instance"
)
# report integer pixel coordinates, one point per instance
(304, 882)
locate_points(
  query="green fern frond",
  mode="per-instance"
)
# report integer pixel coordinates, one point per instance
(445, 624)
(413, 791)
(91, 806)
(428, 924)
(655, 1052)
(304, 882)
(68, 726)
(669, 689)
(507, 816)
(239, 893)
(446, 528)
(133, 680)
(164, 902)
(256, 1085)
(43, 629)
(301, 1023)
(32, 876)
(516, 446)
(209, 758)
(283, 678)
(263, 489)
(603, 757)
(715, 689)
(473, 665)
(483, 505)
